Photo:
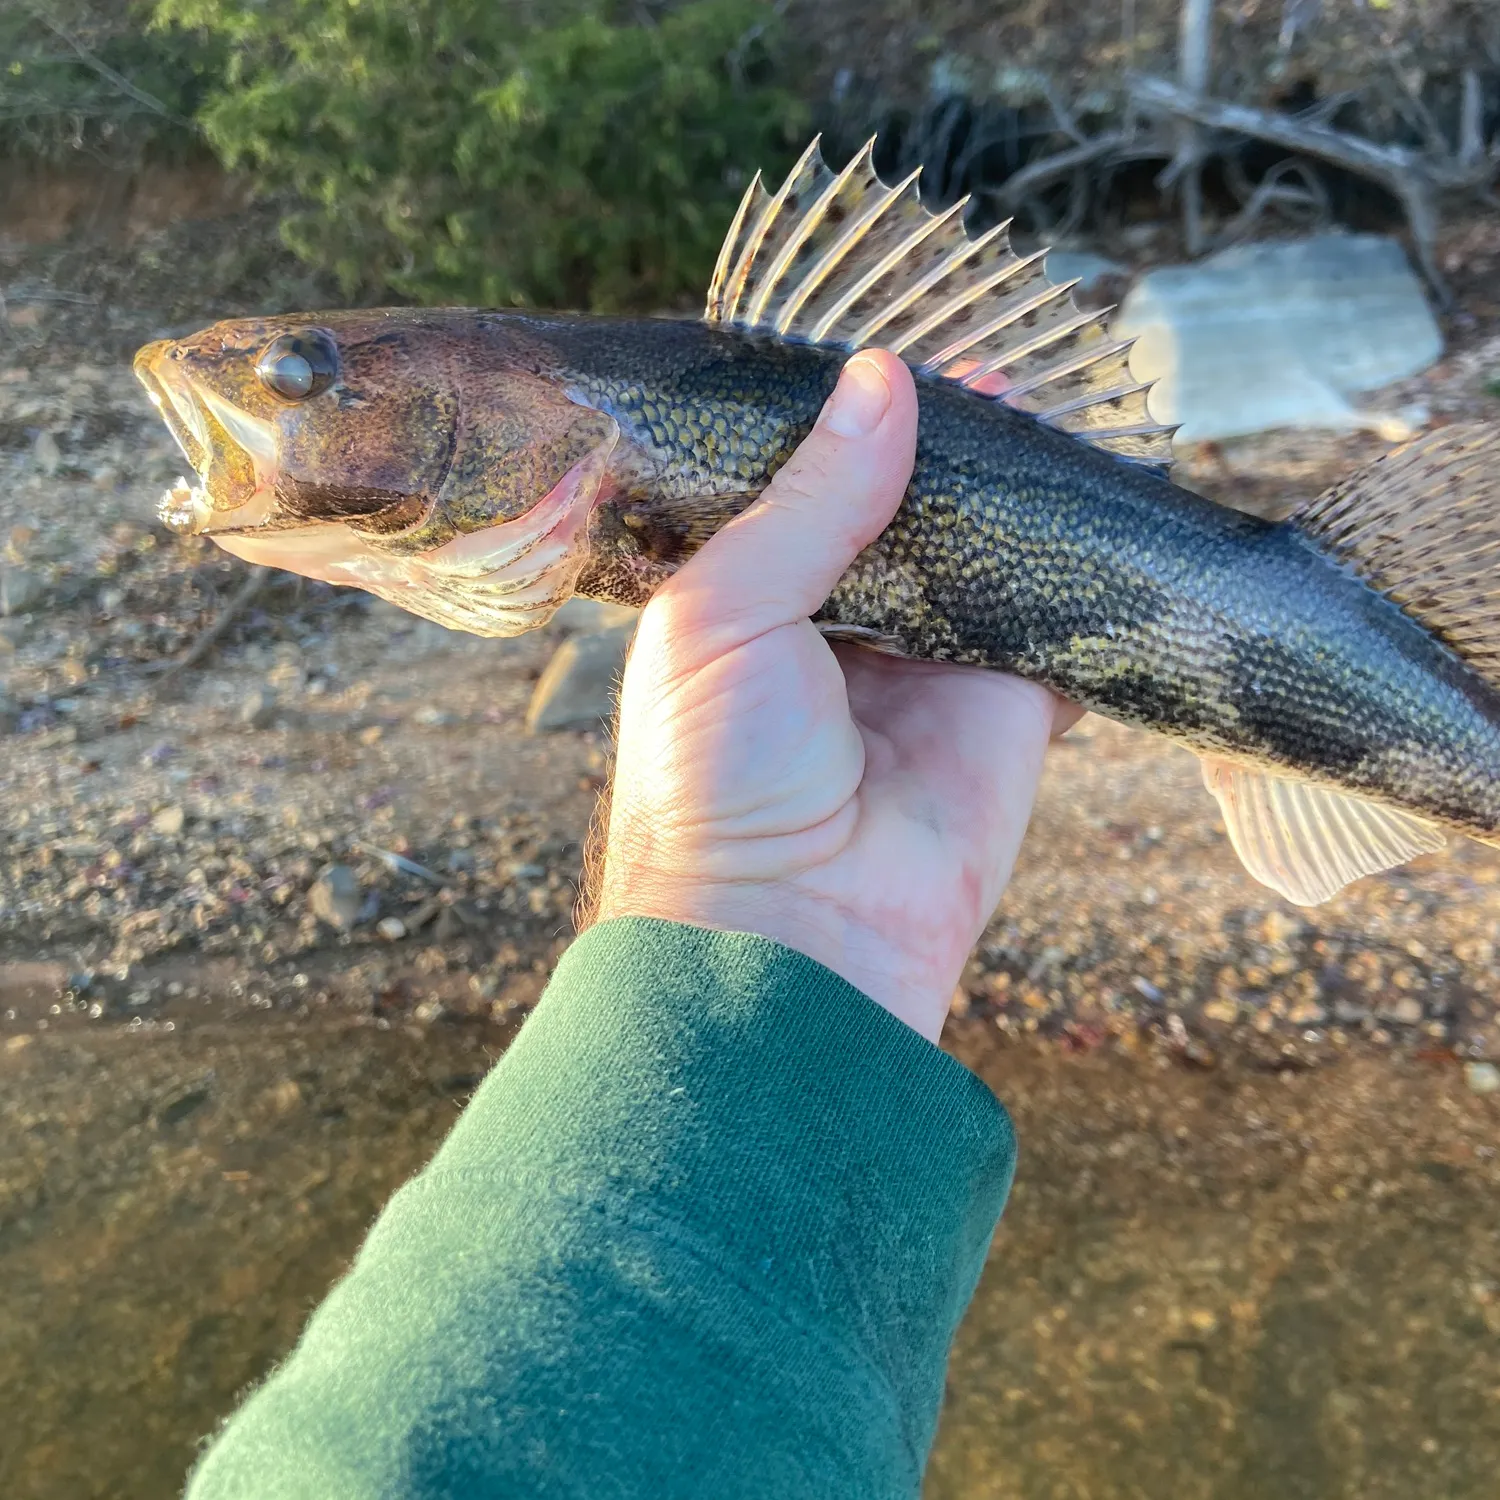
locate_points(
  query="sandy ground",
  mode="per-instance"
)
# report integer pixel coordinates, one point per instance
(1253, 1249)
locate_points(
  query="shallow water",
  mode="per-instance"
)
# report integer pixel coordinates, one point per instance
(1207, 1284)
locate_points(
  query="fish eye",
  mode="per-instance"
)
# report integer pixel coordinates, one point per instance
(298, 365)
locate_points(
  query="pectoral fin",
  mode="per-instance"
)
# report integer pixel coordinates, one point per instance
(1308, 842)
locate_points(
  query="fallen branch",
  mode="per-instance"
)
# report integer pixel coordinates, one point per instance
(1412, 177)
(1038, 174)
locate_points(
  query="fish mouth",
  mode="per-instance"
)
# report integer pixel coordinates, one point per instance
(232, 454)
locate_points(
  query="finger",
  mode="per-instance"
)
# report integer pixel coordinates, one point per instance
(779, 561)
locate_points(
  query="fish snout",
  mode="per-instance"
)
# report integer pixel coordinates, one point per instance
(232, 453)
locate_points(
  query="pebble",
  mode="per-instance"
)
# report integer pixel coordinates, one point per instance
(392, 929)
(431, 717)
(47, 454)
(1407, 1011)
(335, 897)
(1482, 1077)
(20, 591)
(258, 709)
(169, 821)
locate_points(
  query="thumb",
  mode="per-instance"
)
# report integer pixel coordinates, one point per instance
(779, 560)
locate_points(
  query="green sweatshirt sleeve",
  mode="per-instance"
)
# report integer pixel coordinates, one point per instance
(707, 1228)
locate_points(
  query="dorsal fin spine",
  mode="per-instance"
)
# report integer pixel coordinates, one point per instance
(840, 259)
(956, 304)
(1001, 320)
(852, 234)
(1063, 367)
(887, 262)
(1115, 393)
(1047, 336)
(763, 228)
(714, 309)
(964, 250)
(810, 221)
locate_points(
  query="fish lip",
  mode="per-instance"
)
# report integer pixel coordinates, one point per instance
(159, 393)
(186, 411)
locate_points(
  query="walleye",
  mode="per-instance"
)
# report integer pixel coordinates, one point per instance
(1338, 673)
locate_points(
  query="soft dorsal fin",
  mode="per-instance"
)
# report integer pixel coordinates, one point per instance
(843, 259)
(1422, 525)
(1308, 842)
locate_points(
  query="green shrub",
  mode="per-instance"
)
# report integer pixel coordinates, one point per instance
(462, 150)
(86, 75)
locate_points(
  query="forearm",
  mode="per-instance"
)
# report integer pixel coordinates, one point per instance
(707, 1228)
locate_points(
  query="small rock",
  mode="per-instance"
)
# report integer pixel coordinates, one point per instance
(285, 1096)
(20, 591)
(1482, 1077)
(1406, 1011)
(20, 540)
(428, 1012)
(371, 733)
(169, 821)
(335, 897)
(432, 717)
(392, 929)
(258, 710)
(1202, 1321)
(460, 861)
(47, 454)
(577, 688)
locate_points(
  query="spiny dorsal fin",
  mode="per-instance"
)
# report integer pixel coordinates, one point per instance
(843, 259)
(1308, 842)
(1422, 525)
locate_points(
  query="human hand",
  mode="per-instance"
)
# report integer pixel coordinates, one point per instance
(861, 809)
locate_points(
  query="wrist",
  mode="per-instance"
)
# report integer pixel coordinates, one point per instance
(913, 987)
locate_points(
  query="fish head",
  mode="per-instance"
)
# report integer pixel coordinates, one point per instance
(419, 456)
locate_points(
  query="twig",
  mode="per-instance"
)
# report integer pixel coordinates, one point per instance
(399, 864)
(1038, 174)
(239, 601)
(103, 69)
(1271, 190)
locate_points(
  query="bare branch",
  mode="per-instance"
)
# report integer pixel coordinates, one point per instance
(1411, 176)
(1194, 42)
(1389, 165)
(103, 69)
(1039, 174)
(1471, 121)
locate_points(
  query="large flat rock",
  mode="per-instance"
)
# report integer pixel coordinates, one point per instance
(1278, 335)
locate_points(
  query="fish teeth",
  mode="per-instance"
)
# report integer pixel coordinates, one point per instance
(184, 508)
